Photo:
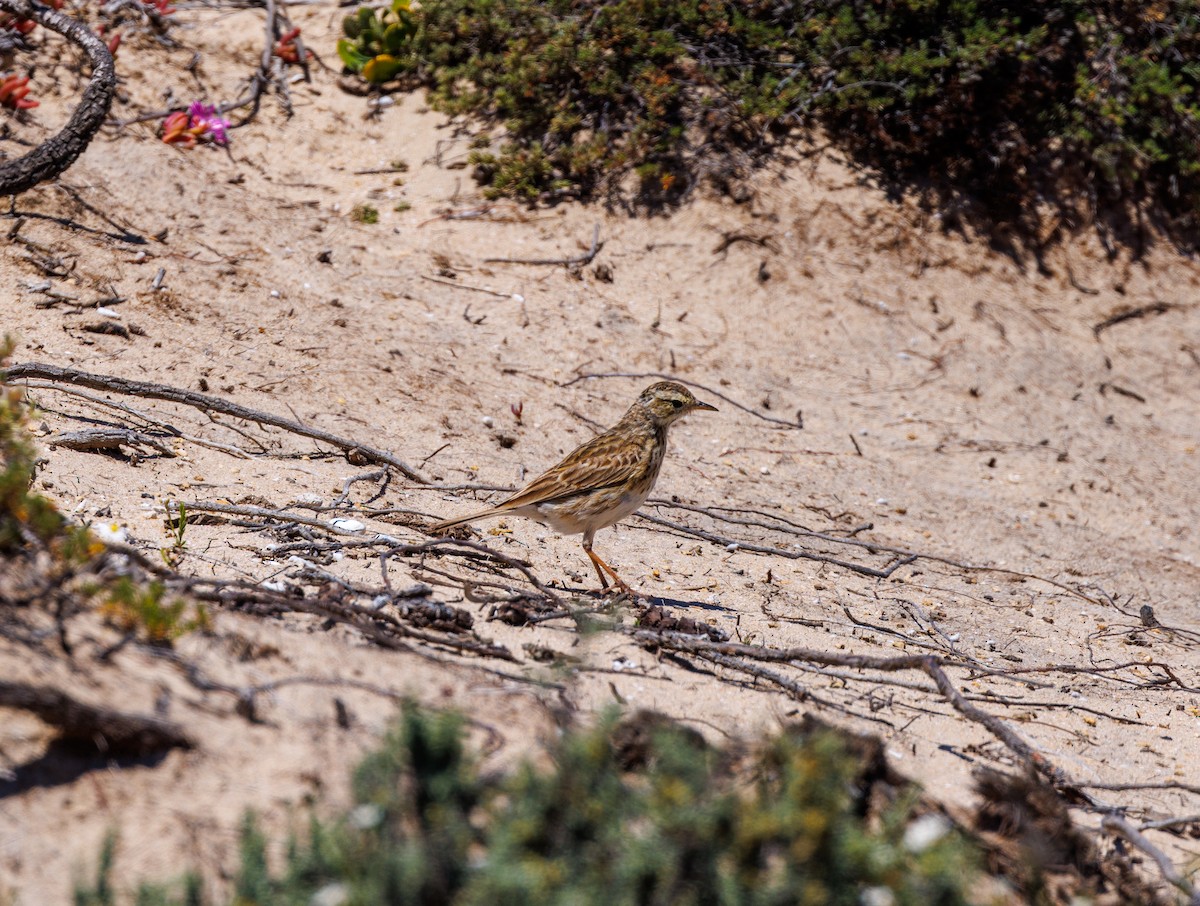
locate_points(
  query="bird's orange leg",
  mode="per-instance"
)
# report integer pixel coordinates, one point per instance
(601, 565)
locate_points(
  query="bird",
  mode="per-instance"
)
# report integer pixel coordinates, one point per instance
(603, 480)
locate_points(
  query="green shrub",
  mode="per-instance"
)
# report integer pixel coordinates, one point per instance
(30, 523)
(139, 608)
(1086, 106)
(671, 823)
(24, 516)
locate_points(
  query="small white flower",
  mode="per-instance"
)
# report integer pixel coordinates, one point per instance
(366, 816)
(334, 893)
(924, 832)
(110, 532)
(877, 896)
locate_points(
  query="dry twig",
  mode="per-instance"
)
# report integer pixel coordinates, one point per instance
(575, 260)
(1115, 824)
(147, 390)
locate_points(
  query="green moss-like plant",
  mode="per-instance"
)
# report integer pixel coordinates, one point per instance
(365, 213)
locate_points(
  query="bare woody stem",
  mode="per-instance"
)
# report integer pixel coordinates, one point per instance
(206, 403)
(58, 152)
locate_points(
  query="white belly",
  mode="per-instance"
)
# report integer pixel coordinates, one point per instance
(570, 518)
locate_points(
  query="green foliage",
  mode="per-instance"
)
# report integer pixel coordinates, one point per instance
(24, 516)
(101, 893)
(140, 609)
(30, 522)
(377, 41)
(176, 531)
(164, 895)
(1010, 105)
(365, 213)
(794, 827)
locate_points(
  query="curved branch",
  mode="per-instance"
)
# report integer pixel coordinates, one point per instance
(58, 152)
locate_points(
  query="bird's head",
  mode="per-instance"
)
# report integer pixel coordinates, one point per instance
(667, 402)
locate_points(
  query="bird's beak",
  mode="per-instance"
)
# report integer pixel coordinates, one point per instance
(700, 405)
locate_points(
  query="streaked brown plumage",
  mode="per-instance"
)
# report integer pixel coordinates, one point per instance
(605, 479)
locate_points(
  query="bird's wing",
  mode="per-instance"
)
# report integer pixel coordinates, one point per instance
(607, 459)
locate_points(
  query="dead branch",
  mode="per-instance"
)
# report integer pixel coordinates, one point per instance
(383, 629)
(474, 550)
(1115, 824)
(930, 665)
(1151, 785)
(58, 152)
(383, 476)
(729, 239)
(1121, 391)
(93, 439)
(475, 289)
(1030, 756)
(1096, 671)
(1165, 823)
(279, 515)
(795, 528)
(148, 390)
(734, 544)
(113, 732)
(147, 418)
(581, 260)
(796, 690)
(794, 425)
(1155, 308)
(262, 75)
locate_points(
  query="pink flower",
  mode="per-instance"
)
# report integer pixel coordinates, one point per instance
(204, 117)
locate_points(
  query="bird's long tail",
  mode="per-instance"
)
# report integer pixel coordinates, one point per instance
(439, 527)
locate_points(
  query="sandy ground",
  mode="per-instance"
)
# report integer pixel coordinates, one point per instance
(954, 403)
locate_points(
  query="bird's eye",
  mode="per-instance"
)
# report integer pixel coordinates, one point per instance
(678, 404)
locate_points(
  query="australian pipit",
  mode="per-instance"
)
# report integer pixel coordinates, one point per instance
(605, 479)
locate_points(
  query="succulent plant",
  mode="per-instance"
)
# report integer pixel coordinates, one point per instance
(376, 41)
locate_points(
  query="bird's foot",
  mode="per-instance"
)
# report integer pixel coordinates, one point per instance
(620, 589)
